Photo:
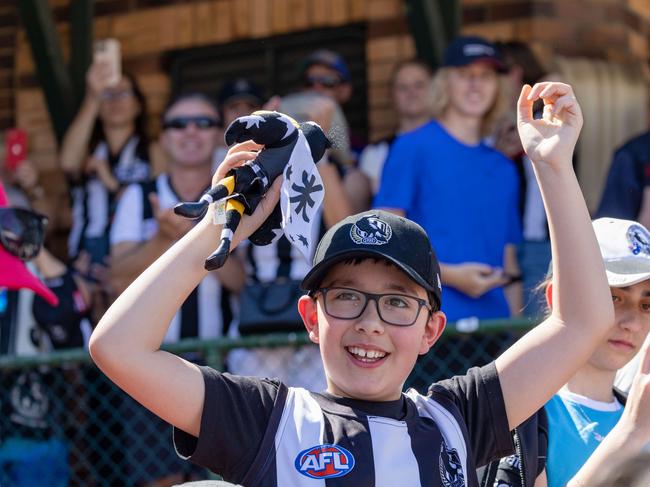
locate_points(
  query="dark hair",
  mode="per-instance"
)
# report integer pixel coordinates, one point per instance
(140, 123)
(517, 53)
(421, 63)
(190, 95)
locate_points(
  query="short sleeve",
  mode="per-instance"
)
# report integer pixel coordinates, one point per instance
(623, 188)
(236, 411)
(479, 398)
(127, 223)
(398, 186)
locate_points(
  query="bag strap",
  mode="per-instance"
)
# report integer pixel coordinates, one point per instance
(266, 452)
(284, 255)
(147, 188)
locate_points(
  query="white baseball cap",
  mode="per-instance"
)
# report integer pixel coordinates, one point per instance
(625, 247)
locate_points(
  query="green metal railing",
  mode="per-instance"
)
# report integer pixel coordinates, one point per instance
(72, 426)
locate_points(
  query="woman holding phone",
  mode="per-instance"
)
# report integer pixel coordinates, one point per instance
(104, 149)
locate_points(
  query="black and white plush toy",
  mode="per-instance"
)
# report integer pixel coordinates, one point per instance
(290, 149)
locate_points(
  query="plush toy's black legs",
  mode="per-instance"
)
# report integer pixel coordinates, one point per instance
(234, 211)
(198, 209)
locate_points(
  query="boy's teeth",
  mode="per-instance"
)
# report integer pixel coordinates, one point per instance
(363, 353)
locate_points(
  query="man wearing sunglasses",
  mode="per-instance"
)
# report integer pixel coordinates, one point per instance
(326, 72)
(145, 226)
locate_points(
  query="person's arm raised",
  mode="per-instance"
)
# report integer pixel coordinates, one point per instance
(536, 366)
(74, 147)
(126, 342)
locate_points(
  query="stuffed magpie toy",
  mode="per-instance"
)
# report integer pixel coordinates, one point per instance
(290, 149)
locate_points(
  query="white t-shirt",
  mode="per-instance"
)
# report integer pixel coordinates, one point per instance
(130, 226)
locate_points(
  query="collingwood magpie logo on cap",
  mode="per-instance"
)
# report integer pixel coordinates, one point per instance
(370, 230)
(639, 240)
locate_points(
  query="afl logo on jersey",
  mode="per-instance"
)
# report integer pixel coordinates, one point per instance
(324, 462)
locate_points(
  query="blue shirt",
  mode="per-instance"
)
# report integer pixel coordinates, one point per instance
(576, 426)
(465, 197)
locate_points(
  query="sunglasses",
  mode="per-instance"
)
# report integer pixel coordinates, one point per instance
(181, 123)
(323, 80)
(22, 232)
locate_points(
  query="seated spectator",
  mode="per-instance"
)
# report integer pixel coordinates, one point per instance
(104, 149)
(236, 98)
(627, 188)
(411, 95)
(577, 421)
(464, 193)
(144, 227)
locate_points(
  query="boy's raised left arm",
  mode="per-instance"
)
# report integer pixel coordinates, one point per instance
(541, 362)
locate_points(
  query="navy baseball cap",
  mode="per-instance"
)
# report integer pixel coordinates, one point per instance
(464, 50)
(327, 58)
(240, 89)
(381, 235)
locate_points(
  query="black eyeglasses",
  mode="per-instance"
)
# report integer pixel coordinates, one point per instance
(323, 80)
(395, 309)
(22, 232)
(181, 123)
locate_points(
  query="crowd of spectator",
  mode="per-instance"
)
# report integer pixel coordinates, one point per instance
(453, 164)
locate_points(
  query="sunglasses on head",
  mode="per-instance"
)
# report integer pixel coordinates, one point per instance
(323, 80)
(180, 123)
(22, 232)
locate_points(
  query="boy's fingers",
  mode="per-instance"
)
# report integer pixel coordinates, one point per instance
(247, 145)
(555, 90)
(524, 105)
(231, 161)
(566, 102)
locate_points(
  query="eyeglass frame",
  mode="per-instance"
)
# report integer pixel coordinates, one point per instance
(422, 303)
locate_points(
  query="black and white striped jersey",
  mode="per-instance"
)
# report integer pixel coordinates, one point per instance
(206, 312)
(310, 439)
(93, 204)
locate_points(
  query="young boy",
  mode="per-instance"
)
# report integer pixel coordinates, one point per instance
(374, 306)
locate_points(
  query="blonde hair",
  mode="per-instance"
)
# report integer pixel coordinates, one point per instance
(440, 100)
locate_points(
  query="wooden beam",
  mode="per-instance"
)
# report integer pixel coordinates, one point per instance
(48, 58)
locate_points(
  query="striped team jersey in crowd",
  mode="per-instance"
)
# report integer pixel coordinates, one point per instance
(257, 432)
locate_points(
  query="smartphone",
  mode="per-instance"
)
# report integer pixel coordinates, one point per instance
(16, 148)
(108, 51)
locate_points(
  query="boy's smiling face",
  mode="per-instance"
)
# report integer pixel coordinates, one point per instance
(366, 358)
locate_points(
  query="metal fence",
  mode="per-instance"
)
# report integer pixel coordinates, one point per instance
(64, 423)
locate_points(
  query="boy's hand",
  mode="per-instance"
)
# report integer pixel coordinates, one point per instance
(237, 155)
(552, 138)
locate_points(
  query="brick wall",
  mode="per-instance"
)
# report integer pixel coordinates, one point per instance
(8, 31)
(610, 29)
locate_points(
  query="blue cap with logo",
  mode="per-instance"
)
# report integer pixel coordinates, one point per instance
(381, 235)
(329, 59)
(464, 50)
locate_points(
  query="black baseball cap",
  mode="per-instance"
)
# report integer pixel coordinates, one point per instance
(240, 89)
(464, 50)
(378, 234)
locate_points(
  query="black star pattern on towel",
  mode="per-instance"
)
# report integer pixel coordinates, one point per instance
(303, 196)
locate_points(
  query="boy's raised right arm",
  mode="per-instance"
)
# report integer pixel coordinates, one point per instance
(126, 342)
(540, 363)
